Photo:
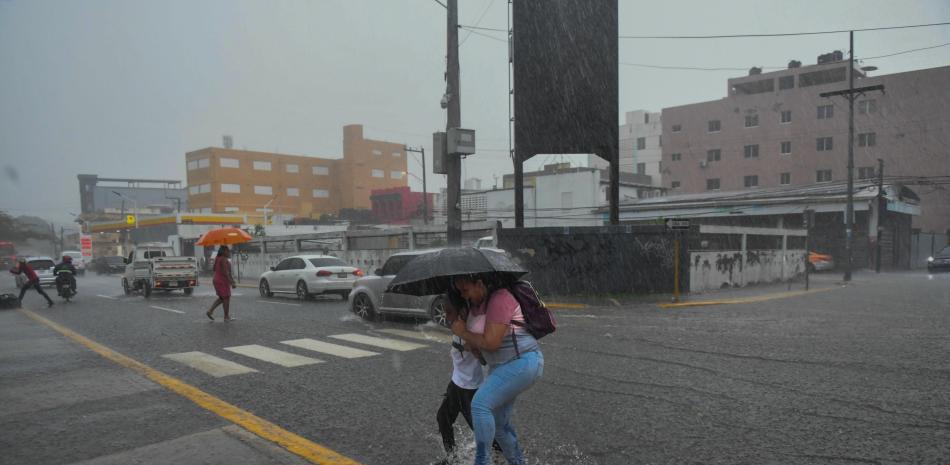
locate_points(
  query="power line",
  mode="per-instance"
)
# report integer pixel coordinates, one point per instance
(443, 5)
(785, 34)
(905, 51)
(480, 18)
(697, 68)
(486, 36)
(736, 36)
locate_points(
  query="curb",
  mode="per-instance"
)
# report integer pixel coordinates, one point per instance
(746, 300)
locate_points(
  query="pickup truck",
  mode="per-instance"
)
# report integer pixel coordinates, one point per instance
(151, 267)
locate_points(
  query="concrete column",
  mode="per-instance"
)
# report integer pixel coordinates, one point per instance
(742, 261)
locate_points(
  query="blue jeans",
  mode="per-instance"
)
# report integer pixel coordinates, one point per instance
(492, 405)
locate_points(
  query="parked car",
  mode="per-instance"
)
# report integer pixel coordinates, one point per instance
(940, 261)
(108, 265)
(154, 266)
(369, 298)
(820, 262)
(43, 266)
(78, 261)
(307, 275)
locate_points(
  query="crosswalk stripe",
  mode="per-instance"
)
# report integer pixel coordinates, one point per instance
(386, 343)
(214, 366)
(328, 348)
(279, 357)
(420, 335)
(277, 303)
(166, 309)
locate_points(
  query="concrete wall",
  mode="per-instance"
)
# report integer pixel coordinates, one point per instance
(723, 269)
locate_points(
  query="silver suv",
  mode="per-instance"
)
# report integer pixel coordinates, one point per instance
(369, 298)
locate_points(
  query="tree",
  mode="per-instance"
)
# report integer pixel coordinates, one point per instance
(22, 228)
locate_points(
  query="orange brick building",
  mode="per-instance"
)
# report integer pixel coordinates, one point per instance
(242, 181)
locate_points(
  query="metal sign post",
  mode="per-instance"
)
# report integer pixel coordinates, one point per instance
(676, 226)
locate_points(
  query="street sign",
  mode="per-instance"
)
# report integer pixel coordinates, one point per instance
(677, 225)
(85, 243)
(129, 219)
(460, 141)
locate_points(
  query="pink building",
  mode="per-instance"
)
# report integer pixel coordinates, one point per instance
(399, 205)
(774, 129)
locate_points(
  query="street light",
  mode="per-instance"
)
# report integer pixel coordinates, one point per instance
(135, 207)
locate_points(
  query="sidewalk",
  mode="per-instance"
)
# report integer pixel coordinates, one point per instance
(65, 404)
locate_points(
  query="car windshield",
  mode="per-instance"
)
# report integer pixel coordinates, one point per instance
(114, 260)
(41, 264)
(945, 251)
(327, 261)
(154, 253)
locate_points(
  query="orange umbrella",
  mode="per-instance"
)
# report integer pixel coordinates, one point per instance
(224, 236)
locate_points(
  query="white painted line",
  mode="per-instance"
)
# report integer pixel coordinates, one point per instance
(328, 348)
(420, 335)
(386, 343)
(278, 303)
(284, 359)
(106, 297)
(214, 366)
(166, 309)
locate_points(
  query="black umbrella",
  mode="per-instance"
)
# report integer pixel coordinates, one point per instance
(432, 273)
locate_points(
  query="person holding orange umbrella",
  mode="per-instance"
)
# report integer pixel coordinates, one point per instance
(223, 279)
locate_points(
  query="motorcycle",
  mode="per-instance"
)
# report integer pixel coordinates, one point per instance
(64, 284)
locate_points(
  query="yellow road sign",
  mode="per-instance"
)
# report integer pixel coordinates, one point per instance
(129, 219)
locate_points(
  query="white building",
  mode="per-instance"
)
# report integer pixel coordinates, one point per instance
(640, 146)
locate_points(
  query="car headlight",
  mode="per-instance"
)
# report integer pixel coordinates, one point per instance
(930, 259)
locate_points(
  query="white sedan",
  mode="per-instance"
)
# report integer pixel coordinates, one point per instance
(307, 275)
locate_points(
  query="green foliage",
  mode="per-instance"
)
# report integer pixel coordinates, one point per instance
(13, 229)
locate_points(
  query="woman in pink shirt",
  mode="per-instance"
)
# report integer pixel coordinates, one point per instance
(514, 359)
(223, 283)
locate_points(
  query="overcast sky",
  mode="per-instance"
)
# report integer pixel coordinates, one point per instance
(124, 88)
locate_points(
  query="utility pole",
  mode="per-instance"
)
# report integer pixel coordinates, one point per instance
(851, 94)
(425, 193)
(454, 120)
(881, 208)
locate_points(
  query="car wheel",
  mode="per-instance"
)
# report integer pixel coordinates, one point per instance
(363, 307)
(437, 312)
(125, 287)
(146, 289)
(302, 292)
(189, 290)
(264, 288)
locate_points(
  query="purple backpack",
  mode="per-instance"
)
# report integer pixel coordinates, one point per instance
(538, 319)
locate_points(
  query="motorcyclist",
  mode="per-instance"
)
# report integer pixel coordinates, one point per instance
(68, 271)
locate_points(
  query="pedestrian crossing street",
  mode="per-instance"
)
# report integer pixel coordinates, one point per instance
(341, 348)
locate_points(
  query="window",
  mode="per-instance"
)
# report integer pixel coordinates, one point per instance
(826, 111)
(824, 144)
(379, 174)
(751, 121)
(377, 152)
(786, 116)
(231, 188)
(750, 181)
(321, 193)
(866, 107)
(327, 261)
(293, 192)
(262, 165)
(199, 189)
(641, 168)
(263, 190)
(646, 118)
(867, 139)
(321, 170)
(866, 172)
(567, 200)
(395, 174)
(397, 154)
(198, 164)
(785, 179)
(677, 156)
(675, 185)
(677, 127)
(714, 155)
(714, 126)
(231, 209)
(823, 176)
(751, 151)
(292, 168)
(786, 147)
(786, 82)
(229, 162)
(641, 143)
(192, 165)
(193, 190)
(712, 184)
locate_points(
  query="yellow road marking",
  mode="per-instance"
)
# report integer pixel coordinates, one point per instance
(294, 443)
(565, 306)
(745, 300)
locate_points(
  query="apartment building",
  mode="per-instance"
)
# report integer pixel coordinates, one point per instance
(641, 144)
(224, 180)
(774, 129)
